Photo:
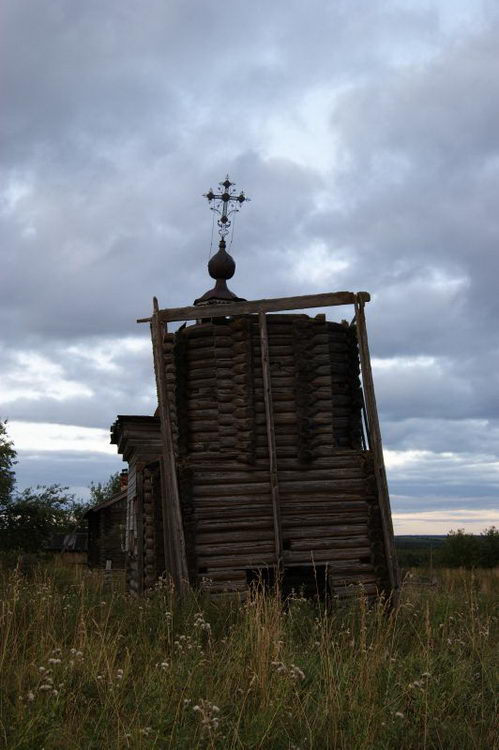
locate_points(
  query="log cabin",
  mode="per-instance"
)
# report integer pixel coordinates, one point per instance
(106, 530)
(264, 458)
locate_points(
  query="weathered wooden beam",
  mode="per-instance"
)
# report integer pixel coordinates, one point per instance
(269, 416)
(330, 299)
(140, 531)
(376, 447)
(170, 497)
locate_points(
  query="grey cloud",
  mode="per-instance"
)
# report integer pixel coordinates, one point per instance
(117, 118)
(69, 469)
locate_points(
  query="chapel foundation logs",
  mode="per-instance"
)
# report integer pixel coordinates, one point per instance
(328, 496)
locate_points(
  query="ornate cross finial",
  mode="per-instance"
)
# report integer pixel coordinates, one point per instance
(221, 266)
(225, 204)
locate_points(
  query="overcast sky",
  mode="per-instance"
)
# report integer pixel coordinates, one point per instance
(366, 134)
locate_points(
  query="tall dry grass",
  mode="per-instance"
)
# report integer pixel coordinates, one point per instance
(83, 667)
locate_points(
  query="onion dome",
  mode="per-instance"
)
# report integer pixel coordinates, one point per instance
(221, 267)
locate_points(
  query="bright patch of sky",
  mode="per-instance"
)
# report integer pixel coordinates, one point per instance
(441, 522)
(40, 437)
(34, 376)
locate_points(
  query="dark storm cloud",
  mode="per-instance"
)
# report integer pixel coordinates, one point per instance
(365, 135)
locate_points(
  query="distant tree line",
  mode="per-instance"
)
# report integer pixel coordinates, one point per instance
(457, 550)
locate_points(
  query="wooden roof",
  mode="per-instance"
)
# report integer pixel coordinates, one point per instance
(138, 436)
(106, 503)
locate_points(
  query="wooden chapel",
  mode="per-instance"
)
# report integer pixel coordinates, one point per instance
(264, 459)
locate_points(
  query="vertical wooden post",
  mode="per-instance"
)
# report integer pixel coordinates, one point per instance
(170, 497)
(140, 529)
(269, 419)
(376, 447)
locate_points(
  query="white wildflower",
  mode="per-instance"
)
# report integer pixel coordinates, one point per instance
(208, 715)
(293, 672)
(201, 624)
(296, 673)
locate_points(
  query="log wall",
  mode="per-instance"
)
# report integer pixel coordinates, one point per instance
(328, 498)
(321, 495)
(106, 534)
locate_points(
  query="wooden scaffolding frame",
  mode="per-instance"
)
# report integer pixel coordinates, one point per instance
(174, 541)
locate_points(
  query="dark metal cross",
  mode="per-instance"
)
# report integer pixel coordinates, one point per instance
(225, 204)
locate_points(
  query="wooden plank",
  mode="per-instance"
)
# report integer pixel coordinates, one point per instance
(330, 543)
(269, 416)
(205, 477)
(307, 486)
(140, 531)
(326, 529)
(376, 447)
(307, 556)
(170, 497)
(232, 524)
(233, 535)
(245, 561)
(237, 548)
(330, 299)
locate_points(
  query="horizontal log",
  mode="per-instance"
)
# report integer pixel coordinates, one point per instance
(337, 502)
(233, 368)
(236, 548)
(209, 478)
(303, 509)
(330, 299)
(329, 542)
(332, 486)
(234, 507)
(322, 516)
(233, 561)
(340, 458)
(241, 408)
(233, 524)
(325, 486)
(326, 528)
(292, 452)
(326, 555)
(233, 535)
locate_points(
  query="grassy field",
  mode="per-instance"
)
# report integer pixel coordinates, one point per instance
(85, 667)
